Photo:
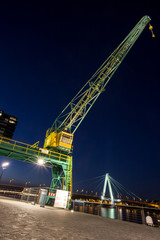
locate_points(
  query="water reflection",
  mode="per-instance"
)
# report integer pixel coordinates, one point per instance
(120, 214)
(124, 213)
(131, 215)
(109, 212)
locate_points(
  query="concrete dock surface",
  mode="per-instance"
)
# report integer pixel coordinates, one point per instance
(20, 220)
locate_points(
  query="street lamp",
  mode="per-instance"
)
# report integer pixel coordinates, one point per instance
(11, 180)
(27, 183)
(4, 166)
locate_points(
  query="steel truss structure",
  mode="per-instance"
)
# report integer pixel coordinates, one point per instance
(61, 164)
(74, 113)
(56, 152)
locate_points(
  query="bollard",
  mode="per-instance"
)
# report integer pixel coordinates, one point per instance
(143, 216)
(74, 205)
(83, 206)
(117, 209)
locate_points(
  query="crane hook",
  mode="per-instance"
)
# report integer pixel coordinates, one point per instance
(151, 29)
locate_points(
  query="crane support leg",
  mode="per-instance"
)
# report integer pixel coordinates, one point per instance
(55, 183)
(61, 179)
(67, 169)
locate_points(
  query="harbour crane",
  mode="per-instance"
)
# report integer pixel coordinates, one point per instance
(57, 150)
(60, 136)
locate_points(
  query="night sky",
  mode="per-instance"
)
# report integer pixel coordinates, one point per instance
(48, 50)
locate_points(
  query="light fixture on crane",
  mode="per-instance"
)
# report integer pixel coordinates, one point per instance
(40, 162)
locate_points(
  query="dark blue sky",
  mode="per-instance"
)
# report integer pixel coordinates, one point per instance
(47, 53)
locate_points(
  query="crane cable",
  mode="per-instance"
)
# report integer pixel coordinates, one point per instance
(151, 29)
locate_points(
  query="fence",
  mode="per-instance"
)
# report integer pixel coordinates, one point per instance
(11, 191)
(30, 195)
(134, 214)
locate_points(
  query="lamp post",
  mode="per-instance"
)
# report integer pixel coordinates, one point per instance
(11, 180)
(27, 183)
(4, 166)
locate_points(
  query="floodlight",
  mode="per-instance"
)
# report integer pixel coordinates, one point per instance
(40, 161)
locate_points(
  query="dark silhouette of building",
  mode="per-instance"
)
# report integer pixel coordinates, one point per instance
(8, 124)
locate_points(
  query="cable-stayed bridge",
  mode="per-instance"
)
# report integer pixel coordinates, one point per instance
(107, 188)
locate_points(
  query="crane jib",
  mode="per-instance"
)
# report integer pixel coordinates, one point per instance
(71, 117)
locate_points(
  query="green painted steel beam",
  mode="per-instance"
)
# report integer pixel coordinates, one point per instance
(22, 152)
(60, 163)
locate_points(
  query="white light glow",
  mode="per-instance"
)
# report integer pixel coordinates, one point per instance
(40, 161)
(11, 121)
(5, 164)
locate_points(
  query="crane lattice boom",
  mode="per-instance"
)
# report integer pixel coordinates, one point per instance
(60, 135)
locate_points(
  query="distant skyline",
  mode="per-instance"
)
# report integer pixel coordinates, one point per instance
(48, 52)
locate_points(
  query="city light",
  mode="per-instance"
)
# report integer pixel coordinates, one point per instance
(5, 164)
(11, 180)
(27, 183)
(11, 121)
(40, 162)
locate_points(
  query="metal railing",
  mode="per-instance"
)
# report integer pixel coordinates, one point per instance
(30, 195)
(134, 214)
(27, 148)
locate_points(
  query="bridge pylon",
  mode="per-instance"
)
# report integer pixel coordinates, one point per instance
(107, 180)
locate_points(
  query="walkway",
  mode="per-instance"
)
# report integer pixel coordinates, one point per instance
(23, 221)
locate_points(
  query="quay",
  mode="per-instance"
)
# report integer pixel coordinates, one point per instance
(21, 220)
